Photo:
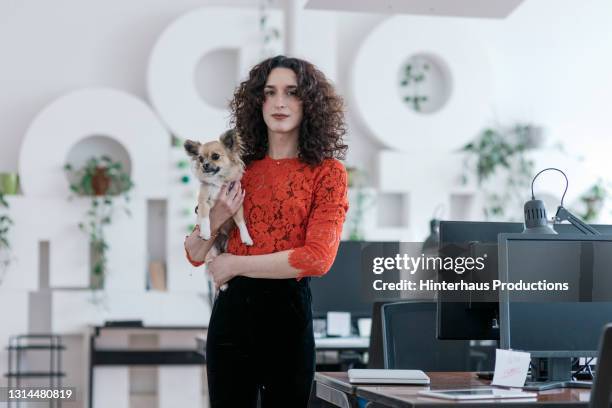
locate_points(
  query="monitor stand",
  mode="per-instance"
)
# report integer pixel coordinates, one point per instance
(558, 373)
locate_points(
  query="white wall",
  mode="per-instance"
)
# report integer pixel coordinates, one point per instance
(50, 48)
(550, 58)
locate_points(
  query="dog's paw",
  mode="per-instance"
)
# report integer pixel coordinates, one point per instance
(205, 229)
(204, 234)
(245, 237)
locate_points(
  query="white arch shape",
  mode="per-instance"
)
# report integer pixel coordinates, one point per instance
(83, 113)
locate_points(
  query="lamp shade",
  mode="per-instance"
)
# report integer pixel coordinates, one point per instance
(536, 221)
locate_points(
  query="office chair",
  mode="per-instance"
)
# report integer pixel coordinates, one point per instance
(375, 350)
(602, 383)
(410, 342)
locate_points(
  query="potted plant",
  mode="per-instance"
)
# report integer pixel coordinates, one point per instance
(5, 225)
(593, 201)
(414, 74)
(102, 179)
(499, 154)
(9, 183)
(360, 203)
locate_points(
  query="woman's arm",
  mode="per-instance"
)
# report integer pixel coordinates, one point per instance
(228, 202)
(270, 266)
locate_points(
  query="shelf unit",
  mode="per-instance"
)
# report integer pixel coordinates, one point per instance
(19, 345)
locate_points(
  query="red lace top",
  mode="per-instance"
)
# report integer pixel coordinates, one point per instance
(291, 205)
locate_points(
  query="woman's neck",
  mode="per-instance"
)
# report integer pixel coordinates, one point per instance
(282, 145)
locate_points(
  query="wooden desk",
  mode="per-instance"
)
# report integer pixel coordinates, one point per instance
(336, 389)
(125, 356)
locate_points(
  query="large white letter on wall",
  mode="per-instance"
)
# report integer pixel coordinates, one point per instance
(376, 92)
(175, 56)
(46, 145)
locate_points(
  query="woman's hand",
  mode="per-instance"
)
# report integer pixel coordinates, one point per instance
(228, 202)
(221, 269)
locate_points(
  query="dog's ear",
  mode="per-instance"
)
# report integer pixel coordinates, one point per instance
(192, 147)
(231, 140)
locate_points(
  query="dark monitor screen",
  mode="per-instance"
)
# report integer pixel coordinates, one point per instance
(464, 320)
(555, 321)
(340, 289)
(411, 343)
(476, 320)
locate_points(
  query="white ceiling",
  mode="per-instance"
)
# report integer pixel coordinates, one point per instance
(455, 8)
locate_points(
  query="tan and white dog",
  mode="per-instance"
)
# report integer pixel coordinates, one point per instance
(214, 164)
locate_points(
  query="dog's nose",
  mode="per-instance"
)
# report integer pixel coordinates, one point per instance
(206, 166)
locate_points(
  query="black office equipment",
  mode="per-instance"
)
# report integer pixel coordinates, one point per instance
(123, 323)
(409, 341)
(341, 288)
(602, 384)
(477, 320)
(556, 322)
(375, 351)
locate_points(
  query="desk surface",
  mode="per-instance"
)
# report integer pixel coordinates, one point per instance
(406, 396)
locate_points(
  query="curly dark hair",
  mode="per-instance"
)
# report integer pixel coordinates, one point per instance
(322, 127)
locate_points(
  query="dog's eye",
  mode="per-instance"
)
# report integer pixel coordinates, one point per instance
(215, 156)
(201, 159)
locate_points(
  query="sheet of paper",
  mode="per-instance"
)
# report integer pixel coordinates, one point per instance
(365, 327)
(510, 368)
(338, 324)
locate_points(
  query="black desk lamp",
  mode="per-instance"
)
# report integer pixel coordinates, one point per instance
(535, 213)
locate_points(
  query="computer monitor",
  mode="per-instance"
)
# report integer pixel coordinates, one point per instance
(563, 315)
(341, 289)
(409, 336)
(468, 320)
(477, 320)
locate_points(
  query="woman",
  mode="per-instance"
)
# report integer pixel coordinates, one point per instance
(260, 337)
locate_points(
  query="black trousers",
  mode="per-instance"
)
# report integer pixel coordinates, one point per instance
(260, 341)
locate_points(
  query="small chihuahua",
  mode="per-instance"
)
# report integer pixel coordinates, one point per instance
(215, 163)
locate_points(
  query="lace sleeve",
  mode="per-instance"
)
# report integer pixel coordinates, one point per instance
(324, 228)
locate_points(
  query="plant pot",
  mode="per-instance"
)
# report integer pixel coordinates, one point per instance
(100, 182)
(9, 183)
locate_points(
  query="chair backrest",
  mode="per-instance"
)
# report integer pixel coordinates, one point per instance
(410, 340)
(602, 383)
(375, 351)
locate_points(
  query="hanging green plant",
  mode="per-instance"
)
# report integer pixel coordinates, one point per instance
(360, 203)
(593, 201)
(413, 75)
(5, 247)
(268, 34)
(104, 180)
